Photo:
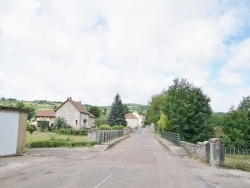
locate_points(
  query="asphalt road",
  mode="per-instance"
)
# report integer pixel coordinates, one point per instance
(139, 161)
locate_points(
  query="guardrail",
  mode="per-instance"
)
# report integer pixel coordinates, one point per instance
(110, 135)
(237, 155)
(173, 137)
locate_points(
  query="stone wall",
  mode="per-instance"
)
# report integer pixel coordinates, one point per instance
(209, 151)
(189, 147)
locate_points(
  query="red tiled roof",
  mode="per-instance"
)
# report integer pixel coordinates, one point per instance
(46, 113)
(130, 116)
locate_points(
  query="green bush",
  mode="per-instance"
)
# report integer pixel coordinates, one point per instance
(117, 127)
(105, 127)
(30, 128)
(71, 131)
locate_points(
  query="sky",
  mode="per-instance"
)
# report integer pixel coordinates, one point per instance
(91, 50)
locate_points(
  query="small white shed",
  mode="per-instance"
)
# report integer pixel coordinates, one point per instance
(12, 131)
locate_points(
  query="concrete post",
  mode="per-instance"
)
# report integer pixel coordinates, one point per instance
(202, 149)
(216, 152)
(92, 136)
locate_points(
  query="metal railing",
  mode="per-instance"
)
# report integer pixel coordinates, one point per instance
(173, 137)
(110, 135)
(237, 155)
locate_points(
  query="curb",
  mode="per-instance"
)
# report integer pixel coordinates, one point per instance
(174, 149)
(104, 146)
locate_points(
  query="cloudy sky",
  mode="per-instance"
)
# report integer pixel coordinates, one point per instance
(90, 50)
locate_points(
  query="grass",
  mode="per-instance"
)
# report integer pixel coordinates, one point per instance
(48, 139)
(238, 162)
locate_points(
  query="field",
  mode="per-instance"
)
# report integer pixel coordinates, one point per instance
(40, 139)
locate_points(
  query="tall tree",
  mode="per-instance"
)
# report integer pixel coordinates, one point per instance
(155, 106)
(126, 109)
(117, 113)
(188, 108)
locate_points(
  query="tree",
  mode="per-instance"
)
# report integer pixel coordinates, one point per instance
(236, 126)
(30, 108)
(126, 109)
(155, 106)
(188, 108)
(117, 113)
(95, 111)
(164, 124)
(60, 123)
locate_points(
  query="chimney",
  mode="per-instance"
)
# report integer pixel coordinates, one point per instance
(70, 98)
(80, 102)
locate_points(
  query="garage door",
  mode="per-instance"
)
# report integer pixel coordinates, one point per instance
(8, 133)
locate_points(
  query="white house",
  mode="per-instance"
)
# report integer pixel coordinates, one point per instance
(140, 119)
(75, 114)
(132, 120)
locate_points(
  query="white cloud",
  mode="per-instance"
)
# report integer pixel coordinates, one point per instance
(92, 49)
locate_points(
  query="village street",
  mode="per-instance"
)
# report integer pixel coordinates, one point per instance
(138, 161)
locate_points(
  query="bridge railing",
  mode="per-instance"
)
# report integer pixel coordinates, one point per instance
(173, 137)
(110, 135)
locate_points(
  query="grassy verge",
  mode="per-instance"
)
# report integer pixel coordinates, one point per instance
(238, 162)
(48, 139)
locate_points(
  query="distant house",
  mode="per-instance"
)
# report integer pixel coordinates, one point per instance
(140, 119)
(45, 115)
(132, 120)
(75, 114)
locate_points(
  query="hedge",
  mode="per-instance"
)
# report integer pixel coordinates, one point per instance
(57, 143)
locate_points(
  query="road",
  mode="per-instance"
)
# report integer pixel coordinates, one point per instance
(138, 161)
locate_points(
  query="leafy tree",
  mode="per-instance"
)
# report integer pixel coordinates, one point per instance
(188, 109)
(236, 126)
(20, 105)
(155, 106)
(95, 111)
(30, 108)
(44, 125)
(164, 124)
(101, 120)
(31, 111)
(117, 113)
(60, 123)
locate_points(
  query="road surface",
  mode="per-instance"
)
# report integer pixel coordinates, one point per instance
(139, 161)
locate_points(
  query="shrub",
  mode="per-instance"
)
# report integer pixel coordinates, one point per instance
(105, 127)
(71, 131)
(118, 127)
(30, 128)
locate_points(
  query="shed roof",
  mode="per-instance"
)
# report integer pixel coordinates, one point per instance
(46, 113)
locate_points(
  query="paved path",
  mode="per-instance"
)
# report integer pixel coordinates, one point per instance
(138, 161)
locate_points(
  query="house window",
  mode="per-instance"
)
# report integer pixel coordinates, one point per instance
(76, 121)
(67, 120)
(59, 114)
(76, 114)
(67, 114)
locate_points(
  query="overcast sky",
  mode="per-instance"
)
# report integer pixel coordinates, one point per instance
(90, 50)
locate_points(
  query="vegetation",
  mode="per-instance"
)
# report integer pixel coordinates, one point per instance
(117, 113)
(105, 127)
(60, 123)
(183, 108)
(39, 139)
(30, 128)
(95, 111)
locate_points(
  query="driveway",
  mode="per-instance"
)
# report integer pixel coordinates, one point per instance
(138, 161)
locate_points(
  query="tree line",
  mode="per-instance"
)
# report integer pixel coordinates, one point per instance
(185, 109)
